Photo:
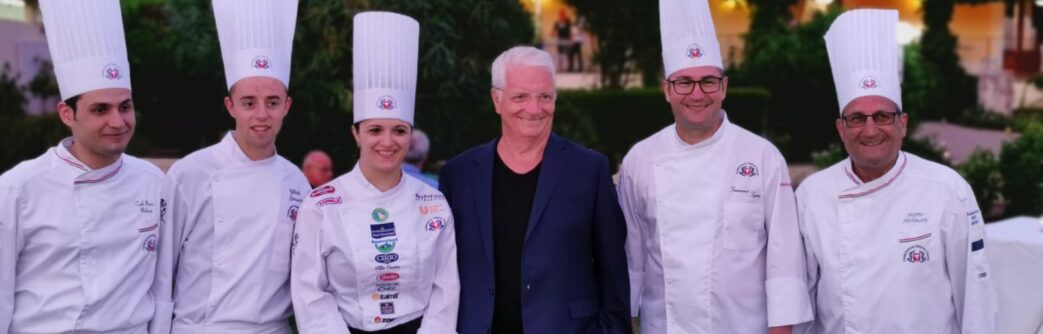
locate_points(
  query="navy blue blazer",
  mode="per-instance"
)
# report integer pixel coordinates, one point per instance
(574, 267)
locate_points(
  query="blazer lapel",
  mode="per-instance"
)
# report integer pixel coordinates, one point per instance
(553, 165)
(483, 194)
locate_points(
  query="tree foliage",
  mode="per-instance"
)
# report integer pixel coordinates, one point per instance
(793, 65)
(1020, 164)
(982, 172)
(953, 90)
(627, 39)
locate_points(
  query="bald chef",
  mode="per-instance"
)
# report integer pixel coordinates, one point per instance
(80, 225)
(712, 238)
(237, 200)
(895, 243)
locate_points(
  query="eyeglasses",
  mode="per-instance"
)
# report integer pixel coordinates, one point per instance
(685, 86)
(524, 97)
(879, 118)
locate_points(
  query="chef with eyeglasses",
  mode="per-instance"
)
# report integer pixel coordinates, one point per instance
(894, 243)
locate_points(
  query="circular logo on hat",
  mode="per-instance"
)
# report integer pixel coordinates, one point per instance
(261, 63)
(112, 72)
(694, 51)
(868, 83)
(386, 103)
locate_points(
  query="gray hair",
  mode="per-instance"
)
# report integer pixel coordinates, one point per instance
(520, 55)
(419, 146)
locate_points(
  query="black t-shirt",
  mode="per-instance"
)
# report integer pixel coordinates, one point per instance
(512, 204)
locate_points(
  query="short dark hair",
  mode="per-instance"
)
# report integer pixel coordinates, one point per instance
(71, 102)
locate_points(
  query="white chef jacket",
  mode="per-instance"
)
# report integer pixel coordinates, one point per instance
(900, 254)
(373, 260)
(233, 218)
(712, 239)
(78, 245)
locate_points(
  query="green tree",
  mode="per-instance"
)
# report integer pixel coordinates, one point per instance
(25, 137)
(954, 91)
(982, 172)
(12, 99)
(1020, 164)
(793, 65)
(628, 39)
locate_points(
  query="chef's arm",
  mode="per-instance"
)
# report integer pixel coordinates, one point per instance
(635, 243)
(441, 312)
(172, 213)
(10, 245)
(964, 235)
(314, 308)
(811, 260)
(786, 281)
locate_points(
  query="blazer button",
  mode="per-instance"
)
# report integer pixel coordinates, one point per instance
(528, 287)
(492, 292)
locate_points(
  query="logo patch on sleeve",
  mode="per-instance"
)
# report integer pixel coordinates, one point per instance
(978, 245)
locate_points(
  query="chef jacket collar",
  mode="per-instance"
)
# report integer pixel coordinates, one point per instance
(368, 190)
(230, 153)
(709, 141)
(87, 175)
(865, 188)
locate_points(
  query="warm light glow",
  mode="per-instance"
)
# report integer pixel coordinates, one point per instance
(824, 3)
(1039, 3)
(16, 3)
(731, 4)
(907, 33)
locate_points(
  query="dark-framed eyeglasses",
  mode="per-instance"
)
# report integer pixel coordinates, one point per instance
(707, 85)
(858, 120)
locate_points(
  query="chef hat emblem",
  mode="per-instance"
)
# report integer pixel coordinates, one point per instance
(695, 51)
(689, 38)
(867, 83)
(262, 63)
(256, 38)
(386, 103)
(112, 72)
(384, 66)
(864, 55)
(87, 46)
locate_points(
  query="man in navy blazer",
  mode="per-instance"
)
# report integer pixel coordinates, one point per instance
(540, 234)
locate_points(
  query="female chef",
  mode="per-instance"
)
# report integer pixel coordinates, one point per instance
(374, 250)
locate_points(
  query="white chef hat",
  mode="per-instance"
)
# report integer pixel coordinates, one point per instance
(864, 54)
(689, 38)
(384, 64)
(256, 38)
(87, 46)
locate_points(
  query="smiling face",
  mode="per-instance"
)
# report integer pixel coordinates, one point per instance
(258, 105)
(526, 102)
(873, 147)
(698, 110)
(101, 124)
(383, 143)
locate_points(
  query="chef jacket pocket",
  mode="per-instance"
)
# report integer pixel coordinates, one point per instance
(743, 226)
(281, 251)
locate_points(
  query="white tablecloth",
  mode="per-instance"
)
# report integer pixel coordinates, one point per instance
(1015, 251)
